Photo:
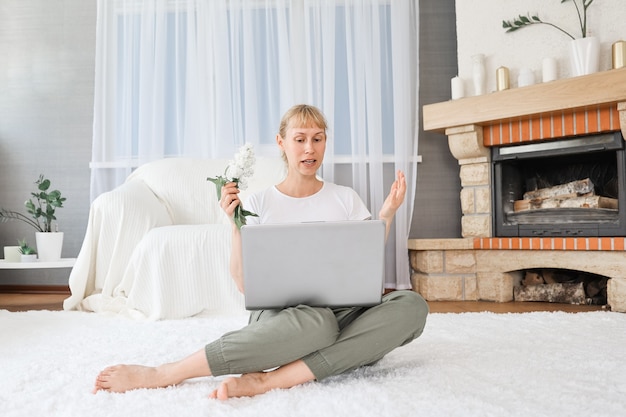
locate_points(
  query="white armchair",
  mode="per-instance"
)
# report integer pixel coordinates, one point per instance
(158, 246)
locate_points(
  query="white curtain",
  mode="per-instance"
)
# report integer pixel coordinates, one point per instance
(200, 78)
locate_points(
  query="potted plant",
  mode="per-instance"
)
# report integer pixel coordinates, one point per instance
(42, 208)
(584, 50)
(28, 254)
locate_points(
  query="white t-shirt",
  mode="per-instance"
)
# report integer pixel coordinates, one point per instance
(331, 203)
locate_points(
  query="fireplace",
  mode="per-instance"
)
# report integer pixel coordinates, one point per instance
(516, 141)
(567, 187)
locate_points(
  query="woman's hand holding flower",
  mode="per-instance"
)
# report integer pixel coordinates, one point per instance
(229, 198)
(235, 178)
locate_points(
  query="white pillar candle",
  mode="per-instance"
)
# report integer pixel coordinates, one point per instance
(526, 77)
(458, 90)
(549, 69)
(12, 254)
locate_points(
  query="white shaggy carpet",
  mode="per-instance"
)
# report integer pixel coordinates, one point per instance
(472, 364)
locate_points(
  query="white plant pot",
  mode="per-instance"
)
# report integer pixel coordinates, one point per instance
(29, 258)
(49, 245)
(585, 56)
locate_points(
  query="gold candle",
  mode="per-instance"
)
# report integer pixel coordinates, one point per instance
(502, 79)
(619, 54)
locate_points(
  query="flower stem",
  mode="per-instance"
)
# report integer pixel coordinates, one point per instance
(558, 28)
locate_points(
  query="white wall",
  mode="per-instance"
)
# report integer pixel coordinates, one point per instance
(479, 30)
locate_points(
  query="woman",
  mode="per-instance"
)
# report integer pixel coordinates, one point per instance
(300, 343)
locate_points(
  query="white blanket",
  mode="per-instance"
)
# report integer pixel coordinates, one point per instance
(158, 246)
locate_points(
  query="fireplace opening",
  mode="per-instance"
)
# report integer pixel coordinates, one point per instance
(569, 187)
(555, 285)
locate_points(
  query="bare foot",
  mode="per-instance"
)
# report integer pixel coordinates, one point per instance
(247, 385)
(122, 378)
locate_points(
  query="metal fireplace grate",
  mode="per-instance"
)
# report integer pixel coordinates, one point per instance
(519, 170)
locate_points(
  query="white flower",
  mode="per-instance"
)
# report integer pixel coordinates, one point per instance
(237, 171)
(242, 167)
(232, 170)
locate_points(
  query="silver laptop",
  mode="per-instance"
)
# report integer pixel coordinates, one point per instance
(321, 264)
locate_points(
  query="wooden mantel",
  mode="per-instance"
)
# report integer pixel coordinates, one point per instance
(602, 88)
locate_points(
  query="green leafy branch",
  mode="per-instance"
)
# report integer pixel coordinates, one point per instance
(6, 215)
(524, 21)
(44, 205)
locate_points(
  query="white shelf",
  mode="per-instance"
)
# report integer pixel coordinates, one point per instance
(62, 263)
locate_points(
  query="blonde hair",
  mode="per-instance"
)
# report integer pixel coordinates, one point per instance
(301, 115)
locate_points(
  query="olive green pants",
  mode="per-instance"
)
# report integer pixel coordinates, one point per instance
(329, 341)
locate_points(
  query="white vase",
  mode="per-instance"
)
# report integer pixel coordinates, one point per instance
(585, 56)
(526, 77)
(549, 69)
(479, 74)
(49, 245)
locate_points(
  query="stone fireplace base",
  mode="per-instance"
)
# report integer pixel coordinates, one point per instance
(482, 265)
(486, 269)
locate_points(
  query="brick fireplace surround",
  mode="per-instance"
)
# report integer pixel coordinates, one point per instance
(480, 266)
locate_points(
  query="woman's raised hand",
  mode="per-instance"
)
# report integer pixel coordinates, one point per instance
(394, 199)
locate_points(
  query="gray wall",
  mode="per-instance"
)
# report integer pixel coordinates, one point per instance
(46, 115)
(437, 211)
